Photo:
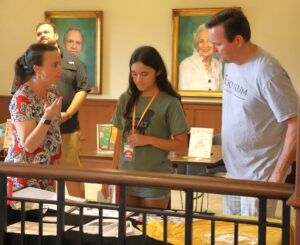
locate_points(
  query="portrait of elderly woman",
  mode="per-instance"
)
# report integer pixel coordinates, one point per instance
(200, 71)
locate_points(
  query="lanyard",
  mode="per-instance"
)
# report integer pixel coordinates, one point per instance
(156, 91)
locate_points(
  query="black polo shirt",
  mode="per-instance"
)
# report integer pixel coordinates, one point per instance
(73, 79)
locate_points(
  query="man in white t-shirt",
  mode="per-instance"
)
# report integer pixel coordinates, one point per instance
(259, 120)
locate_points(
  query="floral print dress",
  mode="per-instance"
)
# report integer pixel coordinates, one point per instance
(25, 106)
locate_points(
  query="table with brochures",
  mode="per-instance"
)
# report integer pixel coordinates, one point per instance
(214, 160)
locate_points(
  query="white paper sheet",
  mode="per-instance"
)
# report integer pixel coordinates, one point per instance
(109, 228)
(200, 142)
(108, 213)
(35, 193)
(32, 228)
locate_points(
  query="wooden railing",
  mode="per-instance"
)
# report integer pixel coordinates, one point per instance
(189, 184)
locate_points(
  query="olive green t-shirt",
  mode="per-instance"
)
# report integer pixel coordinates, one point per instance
(164, 119)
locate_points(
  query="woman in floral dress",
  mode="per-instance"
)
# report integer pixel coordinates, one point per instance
(35, 112)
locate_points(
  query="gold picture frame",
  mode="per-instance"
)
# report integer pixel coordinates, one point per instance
(89, 23)
(186, 76)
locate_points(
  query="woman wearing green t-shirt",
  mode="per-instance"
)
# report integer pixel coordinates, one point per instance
(151, 123)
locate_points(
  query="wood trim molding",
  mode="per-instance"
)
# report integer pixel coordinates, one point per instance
(94, 112)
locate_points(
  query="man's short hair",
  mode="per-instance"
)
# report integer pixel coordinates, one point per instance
(234, 22)
(73, 29)
(46, 23)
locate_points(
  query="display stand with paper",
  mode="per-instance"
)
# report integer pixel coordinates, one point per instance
(200, 142)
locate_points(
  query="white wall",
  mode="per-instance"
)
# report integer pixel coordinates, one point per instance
(130, 23)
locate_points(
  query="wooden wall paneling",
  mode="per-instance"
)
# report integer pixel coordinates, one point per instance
(92, 113)
(189, 115)
(4, 111)
(204, 115)
(209, 117)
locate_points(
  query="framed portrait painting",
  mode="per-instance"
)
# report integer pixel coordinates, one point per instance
(80, 32)
(196, 70)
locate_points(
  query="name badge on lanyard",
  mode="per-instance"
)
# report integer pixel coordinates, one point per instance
(128, 150)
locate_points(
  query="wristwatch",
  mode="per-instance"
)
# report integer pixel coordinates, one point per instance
(45, 121)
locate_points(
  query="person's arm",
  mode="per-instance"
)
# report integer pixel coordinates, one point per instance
(288, 153)
(178, 144)
(74, 106)
(32, 134)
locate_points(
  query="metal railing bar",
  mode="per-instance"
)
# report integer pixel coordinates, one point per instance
(262, 215)
(81, 224)
(188, 216)
(165, 222)
(22, 223)
(144, 228)
(236, 233)
(3, 208)
(212, 232)
(122, 215)
(100, 230)
(40, 241)
(60, 211)
(286, 211)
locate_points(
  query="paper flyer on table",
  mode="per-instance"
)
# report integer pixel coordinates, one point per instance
(108, 213)
(109, 228)
(35, 193)
(32, 228)
(200, 142)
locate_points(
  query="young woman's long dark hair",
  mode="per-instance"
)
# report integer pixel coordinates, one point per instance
(34, 55)
(149, 56)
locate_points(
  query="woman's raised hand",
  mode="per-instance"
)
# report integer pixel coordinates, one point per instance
(52, 110)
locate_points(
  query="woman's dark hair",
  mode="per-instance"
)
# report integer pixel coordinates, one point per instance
(33, 56)
(149, 56)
